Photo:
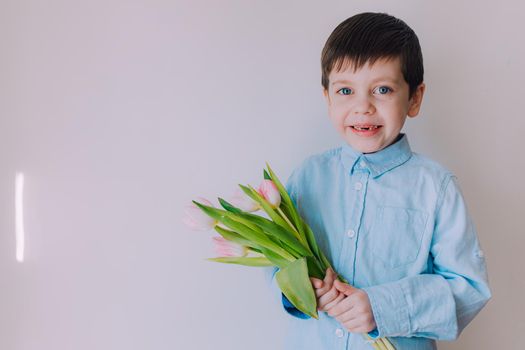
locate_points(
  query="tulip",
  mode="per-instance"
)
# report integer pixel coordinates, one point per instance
(269, 191)
(225, 248)
(243, 202)
(196, 219)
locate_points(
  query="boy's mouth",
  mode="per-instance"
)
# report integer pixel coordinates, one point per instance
(365, 130)
(365, 127)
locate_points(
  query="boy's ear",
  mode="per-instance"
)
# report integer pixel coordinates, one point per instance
(326, 96)
(415, 102)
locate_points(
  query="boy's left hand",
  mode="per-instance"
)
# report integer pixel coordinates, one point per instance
(354, 312)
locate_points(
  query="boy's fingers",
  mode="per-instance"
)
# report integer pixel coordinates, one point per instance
(317, 283)
(325, 285)
(330, 276)
(327, 275)
(344, 288)
(327, 297)
(319, 292)
(346, 316)
(344, 306)
(328, 279)
(334, 302)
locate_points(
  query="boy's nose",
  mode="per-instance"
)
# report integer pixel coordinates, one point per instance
(363, 105)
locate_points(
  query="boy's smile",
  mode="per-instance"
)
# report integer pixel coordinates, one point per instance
(369, 107)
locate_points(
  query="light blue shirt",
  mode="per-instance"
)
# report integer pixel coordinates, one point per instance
(393, 223)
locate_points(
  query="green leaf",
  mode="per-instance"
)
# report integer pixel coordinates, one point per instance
(235, 237)
(288, 205)
(212, 212)
(294, 282)
(257, 250)
(270, 228)
(246, 261)
(304, 230)
(247, 229)
(275, 259)
(314, 268)
(266, 176)
(289, 212)
(229, 207)
(325, 263)
(311, 241)
(258, 237)
(285, 236)
(297, 222)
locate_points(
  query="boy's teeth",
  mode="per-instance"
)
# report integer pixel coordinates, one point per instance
(365, 127)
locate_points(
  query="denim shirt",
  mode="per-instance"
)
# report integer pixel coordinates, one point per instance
(393, 223)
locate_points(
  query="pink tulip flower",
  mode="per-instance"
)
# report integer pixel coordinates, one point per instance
(196, 219)
(225, 248)
(243, 202)
(269, 191)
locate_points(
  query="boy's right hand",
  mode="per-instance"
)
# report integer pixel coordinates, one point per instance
(325, 291)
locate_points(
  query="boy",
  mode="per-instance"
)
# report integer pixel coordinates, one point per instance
(392, 222)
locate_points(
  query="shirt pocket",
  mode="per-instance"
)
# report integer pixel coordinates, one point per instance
(396, 234)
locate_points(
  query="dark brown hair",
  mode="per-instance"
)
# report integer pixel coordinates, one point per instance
(367, 37)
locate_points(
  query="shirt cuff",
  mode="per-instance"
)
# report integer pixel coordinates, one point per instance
(390, 310)
(374, 334)
(292, 310)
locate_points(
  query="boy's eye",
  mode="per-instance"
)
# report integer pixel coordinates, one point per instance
(345, 91)
(383, 90)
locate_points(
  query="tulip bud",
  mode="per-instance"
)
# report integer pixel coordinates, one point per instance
(196, 219)
(243, 202)
(225, 248)
(269, 191)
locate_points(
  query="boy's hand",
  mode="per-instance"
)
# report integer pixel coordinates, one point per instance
(325, 291)
(354, 312)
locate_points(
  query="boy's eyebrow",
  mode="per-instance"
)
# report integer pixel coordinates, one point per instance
(344, 81)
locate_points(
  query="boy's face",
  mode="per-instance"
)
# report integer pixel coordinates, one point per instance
(369, 106)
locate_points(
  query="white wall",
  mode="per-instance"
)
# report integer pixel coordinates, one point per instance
(119, 113)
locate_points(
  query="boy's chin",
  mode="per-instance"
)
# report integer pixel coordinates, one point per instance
(371, 144)
(364, 148)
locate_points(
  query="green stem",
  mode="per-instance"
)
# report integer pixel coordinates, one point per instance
(279, 210)
(388, 344)
(372, 342)
(380, 343)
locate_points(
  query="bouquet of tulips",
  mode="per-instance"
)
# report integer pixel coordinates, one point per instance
(283, 240)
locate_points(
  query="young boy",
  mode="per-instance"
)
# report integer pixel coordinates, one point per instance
(392, 222)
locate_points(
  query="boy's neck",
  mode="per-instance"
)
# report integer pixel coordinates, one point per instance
(399, 137)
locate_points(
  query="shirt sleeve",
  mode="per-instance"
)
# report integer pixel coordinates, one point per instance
(441, 304)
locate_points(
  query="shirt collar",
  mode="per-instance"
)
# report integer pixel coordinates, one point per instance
(379, 162)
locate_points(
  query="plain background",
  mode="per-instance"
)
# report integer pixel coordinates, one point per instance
(119, 113)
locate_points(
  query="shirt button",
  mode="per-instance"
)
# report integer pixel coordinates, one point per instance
(350, 233)
(358, 186)
(480, 253)
(339, 333)
(362, 164)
